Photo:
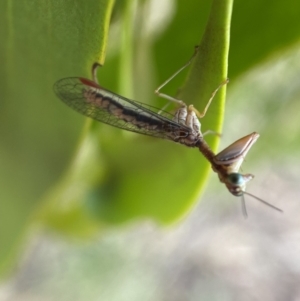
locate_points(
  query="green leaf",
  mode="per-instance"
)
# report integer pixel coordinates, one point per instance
(40, 43)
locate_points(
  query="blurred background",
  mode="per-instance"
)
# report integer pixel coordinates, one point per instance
(213, 253)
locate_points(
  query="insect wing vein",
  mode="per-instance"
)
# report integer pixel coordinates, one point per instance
(116, 110)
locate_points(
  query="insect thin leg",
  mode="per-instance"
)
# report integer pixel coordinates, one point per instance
(199, 114)
(94, 72)
(163, 108)
(168, 97)
(211, 132)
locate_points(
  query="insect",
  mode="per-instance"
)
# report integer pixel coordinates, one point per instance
(90, 99)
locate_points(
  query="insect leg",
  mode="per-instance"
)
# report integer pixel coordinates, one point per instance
(94, 72)
(201, 115)
(168, 97)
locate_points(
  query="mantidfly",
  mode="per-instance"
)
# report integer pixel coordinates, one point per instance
(90, 99)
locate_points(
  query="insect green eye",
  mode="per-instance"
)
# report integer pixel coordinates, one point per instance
(236, 178)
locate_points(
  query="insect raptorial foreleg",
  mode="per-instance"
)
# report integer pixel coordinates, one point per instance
(187, 116)
(192, 121)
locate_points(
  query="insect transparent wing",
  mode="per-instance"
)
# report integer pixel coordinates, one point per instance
(89, 99)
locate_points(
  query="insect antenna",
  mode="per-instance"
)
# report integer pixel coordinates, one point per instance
(244, 209)
(264, 202)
